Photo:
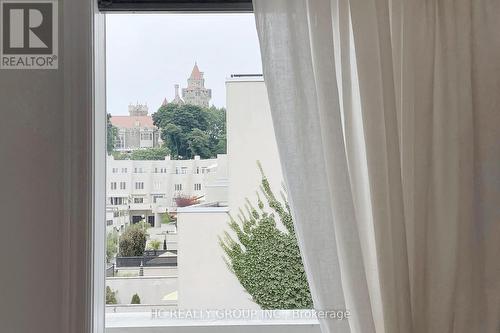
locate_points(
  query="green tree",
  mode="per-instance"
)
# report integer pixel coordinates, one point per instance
(135, 299)
(111, 245)
(190, 130)
(110, 296)
(133, 240)
(155, 244)
(158, 153)
(112, 135)
(265, 257)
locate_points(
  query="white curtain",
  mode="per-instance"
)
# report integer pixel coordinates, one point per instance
(387, 117)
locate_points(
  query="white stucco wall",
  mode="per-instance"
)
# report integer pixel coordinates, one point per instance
(250, 135)
(151, 289)
(205, 281)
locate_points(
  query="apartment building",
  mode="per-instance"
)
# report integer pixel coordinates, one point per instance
(143, 190)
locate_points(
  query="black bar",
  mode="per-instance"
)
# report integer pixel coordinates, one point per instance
(241, 6)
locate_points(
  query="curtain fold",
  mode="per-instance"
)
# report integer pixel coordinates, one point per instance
(387, 118)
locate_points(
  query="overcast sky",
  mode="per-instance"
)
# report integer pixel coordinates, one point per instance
(148, 53)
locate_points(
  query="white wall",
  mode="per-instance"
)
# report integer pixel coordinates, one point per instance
(151, 289)
(250, 135)
(205, 281)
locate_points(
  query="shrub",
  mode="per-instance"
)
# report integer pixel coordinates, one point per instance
(133, 241)
(135, 299)
(155, 244)
(111, 245)
(184, 201)
(110, 296)
(266, 259)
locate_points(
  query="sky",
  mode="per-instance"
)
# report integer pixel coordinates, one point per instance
(146, 54)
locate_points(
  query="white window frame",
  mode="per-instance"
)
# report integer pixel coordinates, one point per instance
(84, 230)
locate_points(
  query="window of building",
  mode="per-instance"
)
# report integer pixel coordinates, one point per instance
(123, 185)
(178, 187)
(157, 185)
(124, 170)
(109, 222)
(148, 136)
(139, 185)
(115, 170)
(113, 185)
(138, 170)
(156, 197)
(138, 200)
(197, 187)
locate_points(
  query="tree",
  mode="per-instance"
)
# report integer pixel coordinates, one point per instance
(133, 240)
(110, 296)
(135, 299)
(111, 245)
(190, 130)
(112, 135)
(155, 244)
(265, 257)
(149, 154)
(184, 201)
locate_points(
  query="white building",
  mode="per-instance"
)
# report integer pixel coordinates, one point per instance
(139, 190)
(205, 281)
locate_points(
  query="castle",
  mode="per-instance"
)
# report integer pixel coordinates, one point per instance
(195, 93)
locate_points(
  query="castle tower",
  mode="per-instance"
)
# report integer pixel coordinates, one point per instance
(196, 93)
(138, 110)
(177, 99)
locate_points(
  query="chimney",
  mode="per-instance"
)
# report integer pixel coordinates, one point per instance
(176, 90)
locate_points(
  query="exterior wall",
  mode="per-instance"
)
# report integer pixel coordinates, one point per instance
(151, 289)
(250, 135)
(205, 282)
(204, 278)
(160, 179)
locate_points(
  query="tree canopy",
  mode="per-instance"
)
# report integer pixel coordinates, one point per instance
(190, 130)
(112, 135)
(133, 240)
(264, 257)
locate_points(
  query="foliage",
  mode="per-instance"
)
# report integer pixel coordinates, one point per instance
(135, 299)
(133, 240)
(111, 245)
(149, 154)
(184, 201)
(165, 218)
(112, 135)
(144, 154)
(155, 244)
(190, 130)
(265, 257)
(110, 296)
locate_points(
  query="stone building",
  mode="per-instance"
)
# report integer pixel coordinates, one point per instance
(136, 131)
(196, 93)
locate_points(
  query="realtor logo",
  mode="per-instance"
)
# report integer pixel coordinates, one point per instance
(28, 34)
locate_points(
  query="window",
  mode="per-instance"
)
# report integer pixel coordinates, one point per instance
(123, 185)
(117, 201)
(124, 170)
(113, 185)
(169, 199)
(109, 223)
(115, 170)
(156, 197)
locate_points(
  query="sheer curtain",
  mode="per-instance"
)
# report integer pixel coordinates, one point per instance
(387, 117)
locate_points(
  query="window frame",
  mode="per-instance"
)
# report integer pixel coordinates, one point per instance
(95, 281)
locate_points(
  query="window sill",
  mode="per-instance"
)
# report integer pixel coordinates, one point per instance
(280, 322)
